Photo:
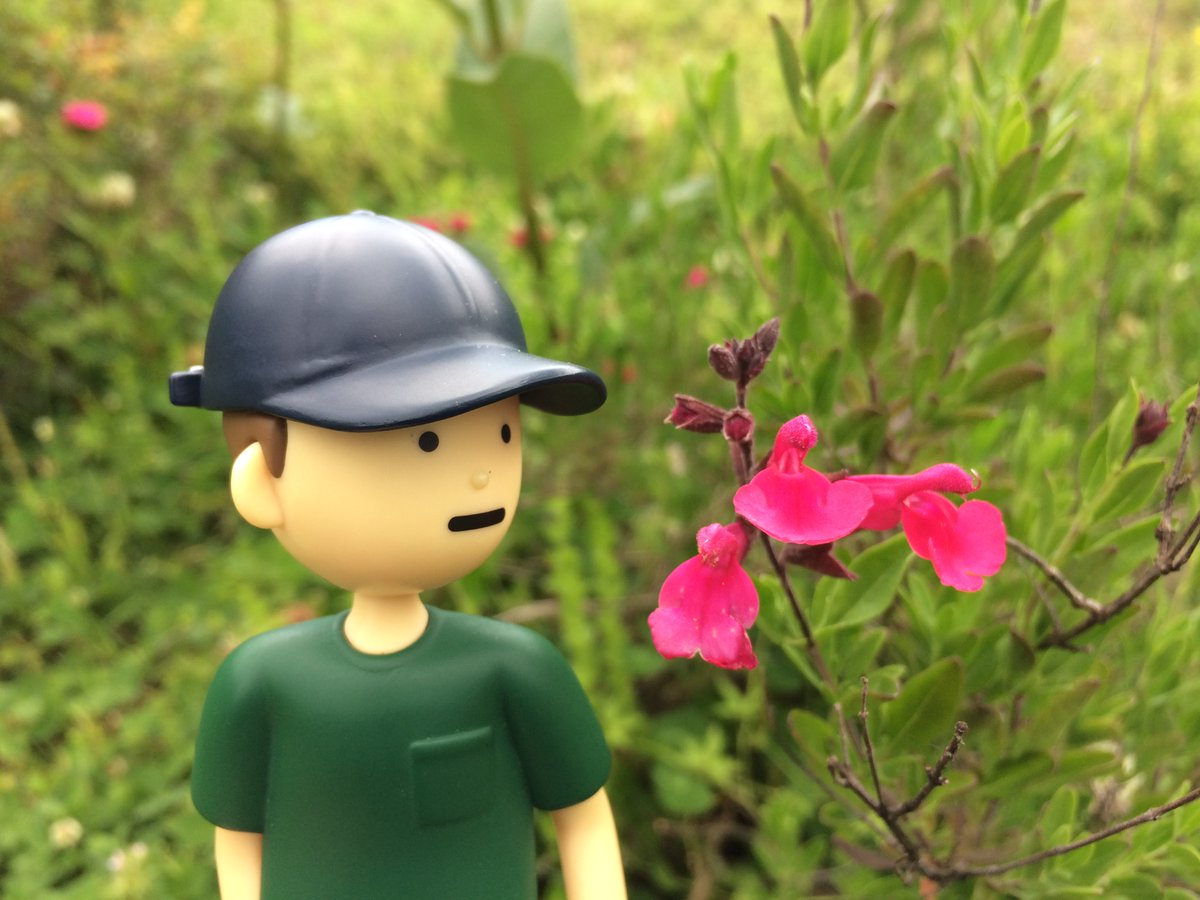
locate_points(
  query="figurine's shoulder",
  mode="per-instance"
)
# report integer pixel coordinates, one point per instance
(515, 655)
(276, 647)
(489, 635)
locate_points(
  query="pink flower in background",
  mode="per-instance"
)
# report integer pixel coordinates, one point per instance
(427, 222)
(459, 223)
(697, 277)
(796, 504)
(965, 543)
(708, 602)
(85, 115)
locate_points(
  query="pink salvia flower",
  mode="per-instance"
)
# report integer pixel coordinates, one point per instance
(84, 115)
(708, 602)
(965, 544)
(796, 504)
(889, 491)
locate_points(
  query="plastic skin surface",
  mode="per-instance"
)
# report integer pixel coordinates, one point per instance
(386, 515)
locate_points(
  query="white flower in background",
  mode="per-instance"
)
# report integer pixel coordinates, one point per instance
(116, 190)
(65, 833)
(10, 119)
(43, 429)
(258, 193)
(116, 861)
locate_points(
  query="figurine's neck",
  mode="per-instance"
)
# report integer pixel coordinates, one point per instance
(385, 623)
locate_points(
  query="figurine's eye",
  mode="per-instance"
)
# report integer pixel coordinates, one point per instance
(428, 441)
(505, 433)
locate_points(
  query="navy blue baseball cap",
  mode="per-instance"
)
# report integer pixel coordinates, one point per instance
(364, 322)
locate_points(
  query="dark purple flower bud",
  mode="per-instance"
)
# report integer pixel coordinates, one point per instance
(819, 558)
(691, 414)
(767, 337)
(723, 359)
(1152, 420)
(738, 425)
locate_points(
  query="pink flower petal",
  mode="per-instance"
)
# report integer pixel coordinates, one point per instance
(707, 603)
(889, 491)
(674, 633)
(965, 544)
(802, 507)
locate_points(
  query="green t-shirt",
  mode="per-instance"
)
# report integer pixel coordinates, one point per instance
(404, 775)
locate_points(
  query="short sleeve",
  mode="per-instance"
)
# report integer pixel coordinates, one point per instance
(229, 778)
(563, 752)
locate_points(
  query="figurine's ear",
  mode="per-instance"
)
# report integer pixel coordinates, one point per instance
(254, 489)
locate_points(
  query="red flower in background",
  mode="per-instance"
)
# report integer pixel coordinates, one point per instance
(965, 544)
(798, 505)
(84, 115)
(459, 223)
(697, 277)
(707, 604)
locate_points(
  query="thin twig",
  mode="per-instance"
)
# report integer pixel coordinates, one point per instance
(1173, 554)
(934, 776)
(1055, 576)
(870, 747)
(953, 873)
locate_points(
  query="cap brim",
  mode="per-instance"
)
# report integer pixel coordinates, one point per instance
(437, 384)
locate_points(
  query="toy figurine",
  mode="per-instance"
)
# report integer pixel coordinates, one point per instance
(371, 372)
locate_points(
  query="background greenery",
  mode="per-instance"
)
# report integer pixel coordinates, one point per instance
(125, 576)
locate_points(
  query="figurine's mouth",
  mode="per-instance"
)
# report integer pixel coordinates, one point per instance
(477, 520)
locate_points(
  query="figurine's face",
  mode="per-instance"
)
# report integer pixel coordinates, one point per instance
(392, 512)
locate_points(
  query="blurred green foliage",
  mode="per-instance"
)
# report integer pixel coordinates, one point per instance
(966, 160)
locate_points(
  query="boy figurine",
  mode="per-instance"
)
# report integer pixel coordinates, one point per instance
(370, 373)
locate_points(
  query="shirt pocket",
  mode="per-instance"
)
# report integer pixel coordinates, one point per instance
(454, 776)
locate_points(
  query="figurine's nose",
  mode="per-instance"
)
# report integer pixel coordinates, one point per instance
(481, 478)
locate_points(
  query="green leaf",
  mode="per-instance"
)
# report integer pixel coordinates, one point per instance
(923, 715)
(1012, 774)
(932, 284)
(866, 317)
(905, 210)
(1016, 266)
(680, 792)
(896, 287)
(1013, 346)
(1013, 184)
(1060, 811)
(972, 269)
(1129, 491)
(853, 160)
(813, 735)
(1120, 430)
(1093, 463)
(547, 33)
(845, 604)
(1043, 43)
(1007, 381)
(827, 39)
(527, 118)
(789, 66)
(825, 382)
(1046, 214)
(1015, 133)
(812, 221)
